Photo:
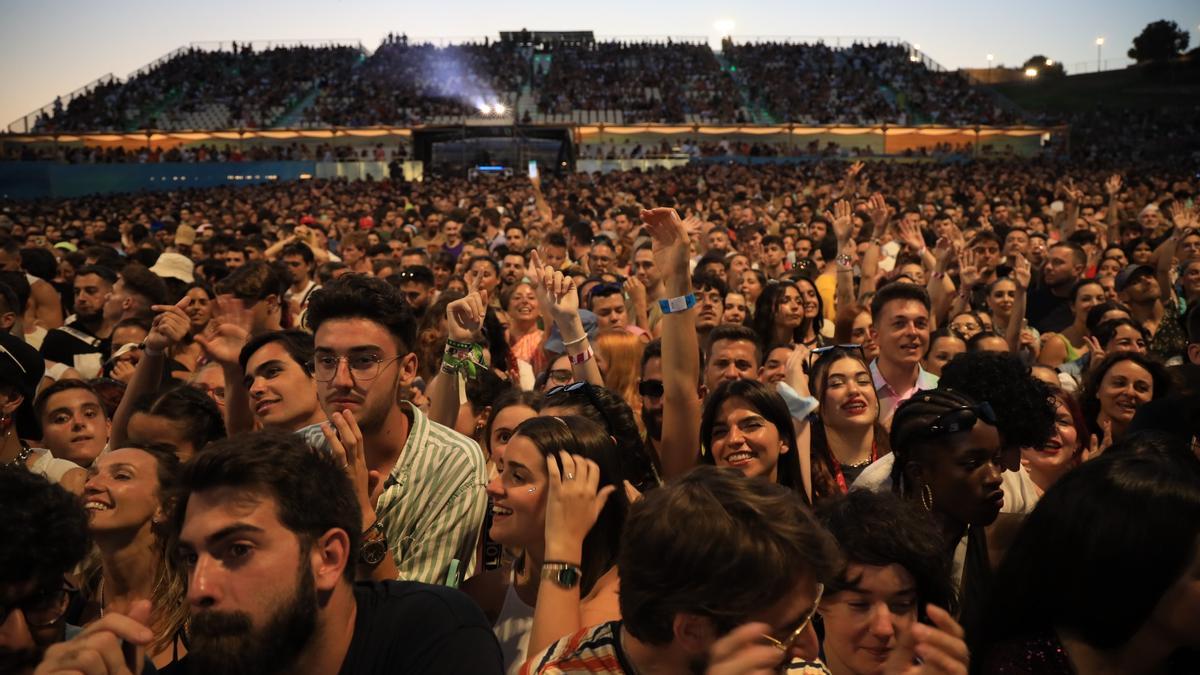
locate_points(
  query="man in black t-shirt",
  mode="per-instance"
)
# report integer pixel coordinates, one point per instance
(268, 536)
(1049, 308)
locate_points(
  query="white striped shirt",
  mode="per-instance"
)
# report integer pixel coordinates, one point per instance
(433, 502)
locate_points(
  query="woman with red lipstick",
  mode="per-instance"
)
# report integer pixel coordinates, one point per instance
(948, 458)
(1064, 450)
(846, 433)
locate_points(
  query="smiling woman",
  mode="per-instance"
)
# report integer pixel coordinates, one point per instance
(127, 505)
(746, 426)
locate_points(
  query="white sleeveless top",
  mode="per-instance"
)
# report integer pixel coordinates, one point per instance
(512, 628)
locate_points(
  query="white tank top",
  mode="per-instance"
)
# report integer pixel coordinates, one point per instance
(512, 630)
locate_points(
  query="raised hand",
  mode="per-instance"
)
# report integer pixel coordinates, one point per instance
(742, 652)
(854, 169)
(910, 235)
(170, 326)
(1095, 351)
(636, 291)
(573, 504)
(968, 269)
(114, 644)
(223, 342)
(877, 208)
(842, 218)
(669, 241)
(1022, 272)
(555, 291)
(346, 441)
(1113, 185)
(464, 317)
(1182, 216)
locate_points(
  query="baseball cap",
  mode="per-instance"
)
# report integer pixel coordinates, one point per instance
(1130, 274)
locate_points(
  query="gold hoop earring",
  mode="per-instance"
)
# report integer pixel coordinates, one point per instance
(927, 497)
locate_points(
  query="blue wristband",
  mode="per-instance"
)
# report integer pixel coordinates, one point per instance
(680, 304)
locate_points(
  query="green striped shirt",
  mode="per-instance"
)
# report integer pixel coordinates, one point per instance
(433, 502)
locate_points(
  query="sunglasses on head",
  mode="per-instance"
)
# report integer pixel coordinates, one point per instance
(820, 352)
(962, 418)
(589, 391)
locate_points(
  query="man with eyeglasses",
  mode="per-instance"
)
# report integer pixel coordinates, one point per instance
(44, 531)
(426, 481)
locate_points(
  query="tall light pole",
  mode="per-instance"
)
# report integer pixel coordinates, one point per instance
(991, 57)
(1099, 46)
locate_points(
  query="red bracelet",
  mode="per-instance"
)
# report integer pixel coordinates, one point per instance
(581, 357)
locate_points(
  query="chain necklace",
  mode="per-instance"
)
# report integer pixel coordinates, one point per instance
(22, 456)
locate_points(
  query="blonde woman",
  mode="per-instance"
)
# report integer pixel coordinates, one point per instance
(126, 501)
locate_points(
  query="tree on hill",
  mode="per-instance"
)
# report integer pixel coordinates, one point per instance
(1054, 69)
(1159, 41)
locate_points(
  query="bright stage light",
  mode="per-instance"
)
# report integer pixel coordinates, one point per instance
(1031, 72)
(724, 27)
(485, 109)
(499, 109)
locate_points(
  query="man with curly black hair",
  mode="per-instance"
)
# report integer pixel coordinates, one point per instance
(44, 530)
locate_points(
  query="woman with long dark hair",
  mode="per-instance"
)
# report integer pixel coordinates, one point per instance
(746, 425)
(559, 501)
(1116, 387)
(789, 312)
(846, 433)
(1120, 596)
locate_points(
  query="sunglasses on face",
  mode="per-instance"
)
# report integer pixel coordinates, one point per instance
(651, 388)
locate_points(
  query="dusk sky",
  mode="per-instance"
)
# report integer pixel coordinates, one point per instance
(51, 47)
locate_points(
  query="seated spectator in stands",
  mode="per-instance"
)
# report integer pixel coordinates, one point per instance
(45, 537)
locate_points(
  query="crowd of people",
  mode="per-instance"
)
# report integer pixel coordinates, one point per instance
(405, 83)
(409, 83)
(828, 418)
(648, 82)
(860, 84)
(195, 154)
(252, 89)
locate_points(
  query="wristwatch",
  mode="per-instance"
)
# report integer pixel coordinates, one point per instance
(374, 545)
(565, 575)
